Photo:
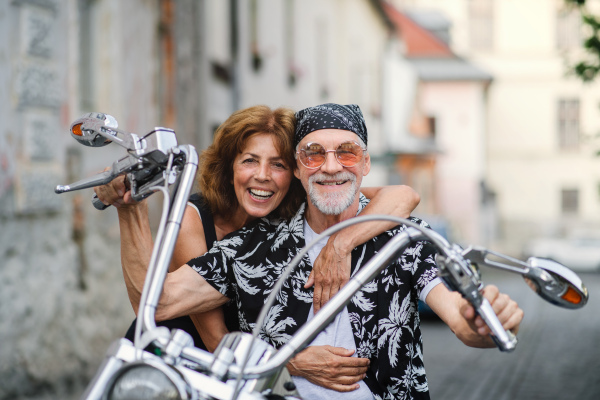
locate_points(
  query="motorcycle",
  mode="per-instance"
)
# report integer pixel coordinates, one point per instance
(163, 364)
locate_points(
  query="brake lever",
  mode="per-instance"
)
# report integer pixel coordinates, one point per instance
(460, 275)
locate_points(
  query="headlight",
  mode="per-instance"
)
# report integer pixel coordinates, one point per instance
(147, 380)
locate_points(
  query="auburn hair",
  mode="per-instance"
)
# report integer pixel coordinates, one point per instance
(215, 169)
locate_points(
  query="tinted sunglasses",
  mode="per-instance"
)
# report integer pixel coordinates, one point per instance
(313, 155)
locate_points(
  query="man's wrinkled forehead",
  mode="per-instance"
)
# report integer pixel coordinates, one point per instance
(330, 116)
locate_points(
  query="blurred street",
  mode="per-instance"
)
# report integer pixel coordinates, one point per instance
(557, 357)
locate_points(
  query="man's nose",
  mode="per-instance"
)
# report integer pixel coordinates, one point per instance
(331, 165)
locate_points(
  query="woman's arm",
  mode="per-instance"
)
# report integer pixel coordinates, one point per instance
(191, 243)
(331, 270)
(135, 234)
(136, 250)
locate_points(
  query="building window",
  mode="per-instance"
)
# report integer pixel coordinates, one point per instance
(290, 41)
(568, 124)
(570, 201)
(481, 24)
(87, 46)
(256, 58)
(322, 54)
(568, 29)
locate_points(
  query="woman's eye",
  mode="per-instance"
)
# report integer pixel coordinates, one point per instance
(249, 161)
(279, 165)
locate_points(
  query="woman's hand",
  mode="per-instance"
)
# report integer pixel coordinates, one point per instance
(330, 272)
(330, 367)
(115, 193)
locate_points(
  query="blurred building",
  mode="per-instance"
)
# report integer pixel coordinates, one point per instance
(540, 150)
(437, 131)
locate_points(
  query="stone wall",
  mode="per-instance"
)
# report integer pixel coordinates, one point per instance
(62, 297)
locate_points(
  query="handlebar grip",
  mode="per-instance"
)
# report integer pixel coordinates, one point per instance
(98, 204)
(505, 340)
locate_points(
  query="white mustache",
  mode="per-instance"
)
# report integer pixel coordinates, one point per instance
(340, 176)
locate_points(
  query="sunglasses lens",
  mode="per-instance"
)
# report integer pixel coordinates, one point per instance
(349, 154)
(313, 156)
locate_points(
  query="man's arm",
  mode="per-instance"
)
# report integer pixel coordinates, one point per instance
(460, 316)
(186, 292)
(331, 270)
(330, 367)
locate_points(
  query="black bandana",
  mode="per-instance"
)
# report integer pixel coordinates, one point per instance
(330, 116)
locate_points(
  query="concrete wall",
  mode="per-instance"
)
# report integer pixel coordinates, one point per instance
(62, 297)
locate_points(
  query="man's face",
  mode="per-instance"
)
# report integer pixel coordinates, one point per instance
(332, 187)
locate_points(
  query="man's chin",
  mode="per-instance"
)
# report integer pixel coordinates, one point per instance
(331, 206)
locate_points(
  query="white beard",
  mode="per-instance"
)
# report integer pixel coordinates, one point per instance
(332, 203)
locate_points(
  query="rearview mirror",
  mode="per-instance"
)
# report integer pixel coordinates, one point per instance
(555, 283)
(86, 130)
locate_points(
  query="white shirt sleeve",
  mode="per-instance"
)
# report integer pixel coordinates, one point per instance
(428, 288)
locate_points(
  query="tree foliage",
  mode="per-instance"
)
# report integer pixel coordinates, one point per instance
(587, 70)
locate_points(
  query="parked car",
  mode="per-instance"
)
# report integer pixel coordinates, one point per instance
(579, 253)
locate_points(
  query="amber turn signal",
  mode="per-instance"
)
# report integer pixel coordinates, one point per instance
(76, 130)
(572, 296)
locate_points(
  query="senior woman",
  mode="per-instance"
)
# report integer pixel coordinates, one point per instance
(247, 173)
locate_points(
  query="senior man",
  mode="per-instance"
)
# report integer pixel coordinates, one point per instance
(381, 323)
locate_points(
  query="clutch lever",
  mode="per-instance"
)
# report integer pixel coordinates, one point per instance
(480, 256)
(119, 167)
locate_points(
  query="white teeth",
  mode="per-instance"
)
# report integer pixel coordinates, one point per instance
(332, 183)
(261, 193)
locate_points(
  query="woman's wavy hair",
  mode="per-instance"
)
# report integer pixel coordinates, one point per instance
(215, 169)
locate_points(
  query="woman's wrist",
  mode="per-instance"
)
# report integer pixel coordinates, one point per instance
(344, 242)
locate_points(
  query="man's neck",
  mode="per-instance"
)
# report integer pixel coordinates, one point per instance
(319, 222)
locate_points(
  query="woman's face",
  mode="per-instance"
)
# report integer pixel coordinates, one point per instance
(261, 178)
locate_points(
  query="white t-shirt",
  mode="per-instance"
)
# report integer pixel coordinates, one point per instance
(337, 334)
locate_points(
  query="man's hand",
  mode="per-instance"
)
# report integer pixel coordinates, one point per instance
(330, 272)
(507, 310)
(330, 367)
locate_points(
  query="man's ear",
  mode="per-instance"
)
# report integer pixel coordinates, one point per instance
(367, 164)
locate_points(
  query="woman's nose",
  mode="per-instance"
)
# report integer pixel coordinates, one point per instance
(263, 172)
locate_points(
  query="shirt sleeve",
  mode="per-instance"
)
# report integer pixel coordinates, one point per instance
(424, 268)
(214, 266)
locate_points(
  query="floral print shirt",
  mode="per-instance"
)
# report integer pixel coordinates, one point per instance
(384, 316)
